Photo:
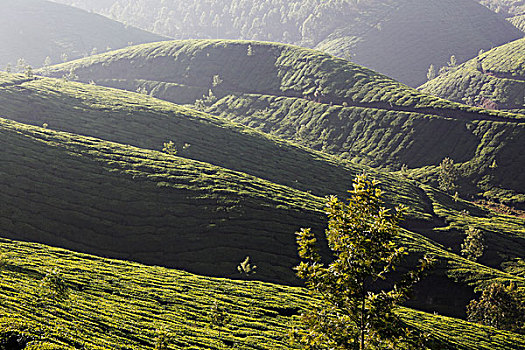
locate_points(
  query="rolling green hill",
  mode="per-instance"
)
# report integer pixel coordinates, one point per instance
(518, 21)
(513, 10)
(100, 197)
(192, 155)
(121, 305)
(36, 29)
(398, 38)
(94, 196)
(324, 103)
(146, 122)
(505, 7)
(495, 78)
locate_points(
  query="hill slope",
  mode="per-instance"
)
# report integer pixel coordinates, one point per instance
(513, 10)
(146, 122)
(397, 38)
(495, 78)
(95, 196)
(100, 197)
(122, 305)
(322, 102)
(507, 8)
(518, 21)
(36, 29)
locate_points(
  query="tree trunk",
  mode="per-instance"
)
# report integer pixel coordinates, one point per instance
(362, 326)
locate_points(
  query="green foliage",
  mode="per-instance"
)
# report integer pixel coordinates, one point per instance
(473, 245)
(163, 339)
(247, 269)
(55, 286)
(497, 75)
(453, 61)
(499, 306)
(216, 81)
(278, 103)
(376, 121)
(352, 315)
(146, 190)
(169, 148)
(206, 101)
(142, 90)
(21, 65)
(504, 7)
(431, 74)
(28, 72)
(123, 305)
(70, 76)
(448, 175)
(219, 317)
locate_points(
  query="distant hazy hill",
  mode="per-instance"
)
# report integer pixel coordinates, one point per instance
(399, 38)
(322, 102)
(495, 79)
(505, 7)
(36, 29)
(513, 10)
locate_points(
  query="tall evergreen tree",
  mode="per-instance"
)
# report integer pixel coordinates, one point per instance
(353, 312)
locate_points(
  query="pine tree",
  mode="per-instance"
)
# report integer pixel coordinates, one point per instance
(431, 74)
(352, 314)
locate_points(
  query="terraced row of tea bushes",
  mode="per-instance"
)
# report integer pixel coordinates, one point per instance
(146, 122)
(274, 69)
(114, 304)
(101, 197)
(389, 139)
(503, 234)
(377, 137)
(518, 22)
(495, 78)
(96, 196)
(294, 75)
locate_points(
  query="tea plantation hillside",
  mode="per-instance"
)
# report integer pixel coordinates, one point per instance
(45, 29)
(146, 122)
(505, 7)
(95, 196)
(113, 304)
(400, 38)
(518, 21)
(100, 197)
(324, 103)
(494, 79)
